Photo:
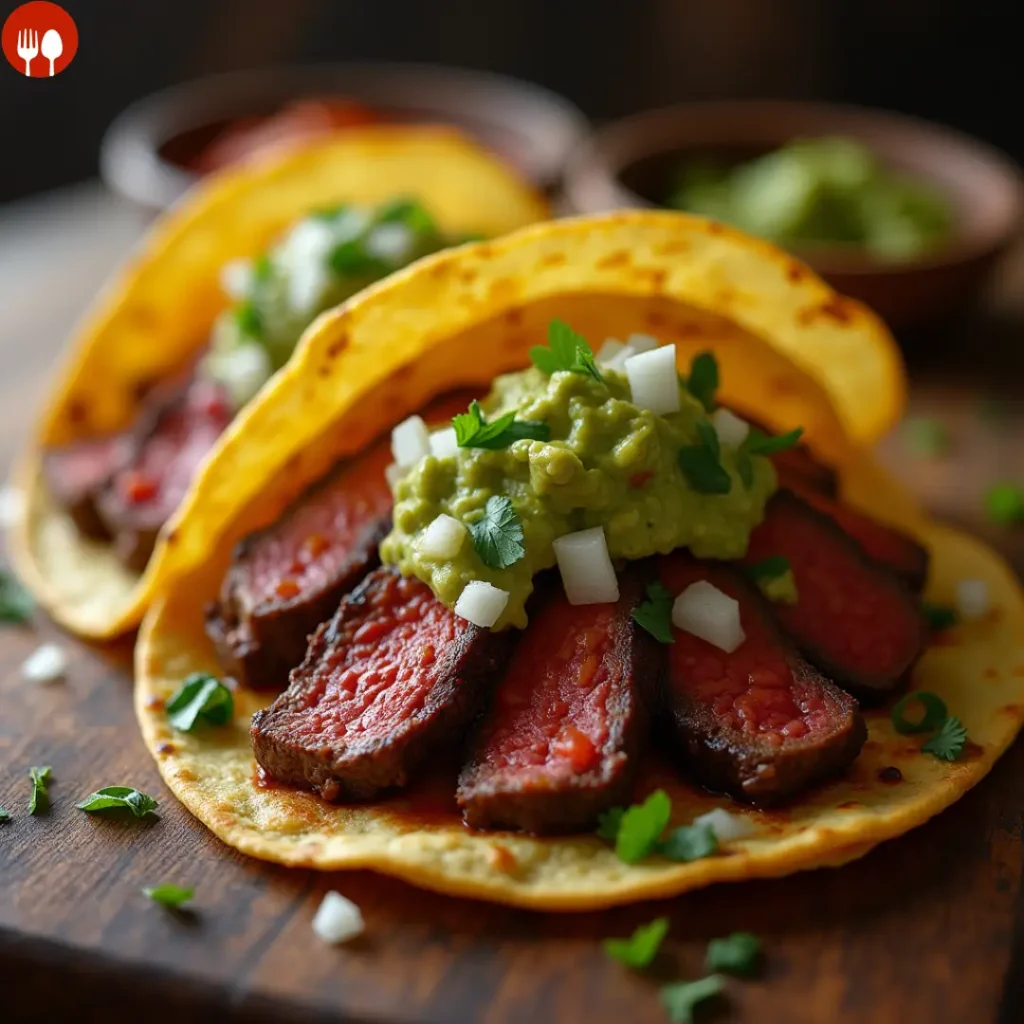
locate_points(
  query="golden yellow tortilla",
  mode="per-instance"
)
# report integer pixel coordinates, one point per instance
(157, 311)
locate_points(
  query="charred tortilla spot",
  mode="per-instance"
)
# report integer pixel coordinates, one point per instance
(553, 259)
(795, 272)
(165, 748)
(676, 248)
(469, 275)
(514, 317)
(77, 411)
(337, 346)
(619, 258)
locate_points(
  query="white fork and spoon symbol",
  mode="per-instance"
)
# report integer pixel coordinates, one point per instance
(53, 46)
(28, 48)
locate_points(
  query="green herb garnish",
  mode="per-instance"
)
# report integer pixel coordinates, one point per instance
(738, 953)
(680, 999)
(498, 537)
(169, 895)
(350, 259)
(935, 713)
(770, 568)
(201, 699)
(703, 380)
(566, 351)
(4, 816)
(926, 436)
(410, 212)
(473, 431)
(701, 463)
(641, 947)
(689, 842)
(759, 443)
(249, 319)
(655, 614)
(609, 822)
(640, 827)
(1005, 504)
(118, 798)
(39, 801)
(939, 616)
(16, 602)
(948, 743)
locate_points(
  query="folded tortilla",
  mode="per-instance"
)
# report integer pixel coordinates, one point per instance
(790, 352)
(158, 310)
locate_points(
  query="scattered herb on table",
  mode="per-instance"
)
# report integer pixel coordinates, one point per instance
(39, 801)
(680, 998)
(169, 895)
(702, 382)
(4, 816)
(926, 436)
(566, 350)
(498, 536)
(655, 614)
(738, 953)
(939, 616)
(641, 947)
(1004, 503)
(201, 699)
(949, 742)
(16, 602)
(473, 431)
(701, 463)
(118, 798)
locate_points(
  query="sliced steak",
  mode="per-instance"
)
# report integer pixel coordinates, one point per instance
(288, 578)
(854, 619)
(560, 741)
(170, 445)
(393, 678)
(760, 723)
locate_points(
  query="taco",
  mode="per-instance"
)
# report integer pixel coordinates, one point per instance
(208, 310)
(635, 642)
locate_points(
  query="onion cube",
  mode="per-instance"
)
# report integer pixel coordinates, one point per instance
(236, 279)
(704, 611)
(443, 444)
(642, 342)
(410, 441)
(442, 538)
(46, 664)
(394, 473)
(337, 919)
(726, 825)
(972, 599)
(588, 575)
(391, 243)
(618, 362)
(609, 350)
(731, 430)
(653, 380)
(481, 604)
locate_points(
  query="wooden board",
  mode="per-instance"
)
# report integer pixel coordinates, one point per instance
(920, 930)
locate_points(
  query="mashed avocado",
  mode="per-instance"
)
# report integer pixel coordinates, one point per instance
(781, 588)
(607, 463)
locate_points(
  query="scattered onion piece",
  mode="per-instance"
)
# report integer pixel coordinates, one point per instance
(394, 473)
(444, 444)
(610, 350)
(642, 342)
(442, 538)
(588, 575)
(972, 599)
(731, 430)
(703, 610)
(410, 441)
(653, 381)
(46, 664)
(481, 604)
(728, 827)
(618, 362)
(337, 919)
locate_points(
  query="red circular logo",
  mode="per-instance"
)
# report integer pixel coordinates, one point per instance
(40, 39)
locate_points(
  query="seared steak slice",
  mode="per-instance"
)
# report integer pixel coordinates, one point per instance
(393, 678)
(169, 448)
(560, 741)
(855, 619)
(760, 723)
(286, 579)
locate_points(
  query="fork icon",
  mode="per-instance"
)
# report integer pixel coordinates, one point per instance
(28, 48)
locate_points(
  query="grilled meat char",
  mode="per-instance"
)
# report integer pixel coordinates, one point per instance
(286, 579)
(760, 723)
(561, 739)
(76, 475)
(394, 677)
(854, 619)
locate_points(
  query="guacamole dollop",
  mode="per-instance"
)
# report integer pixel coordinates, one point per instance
(607, 463)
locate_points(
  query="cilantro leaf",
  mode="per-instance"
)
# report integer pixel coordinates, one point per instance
(680, 999)
(770, 568)
(1005, 504)
(585, 363)
(759, 443)
(4, 816)
(926, 436)
(738, 953)
(168, 895)
(935, 713)
(249, 319)
(939, 616)
(473, 431)
(39, 801)
(641, 826)
(16, 602)
(703, 380)
(641, 947)
(701, 463)
(409, 212)
(349, 258)
(566, 350)
(655, 614)
(498, 537)
(117, 798)
(609, 822)
(201, 699)
(948, 743)
(689, 842)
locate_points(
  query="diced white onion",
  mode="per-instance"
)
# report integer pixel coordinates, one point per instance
(726, 825)
(12, 506)
(410, 441)
(609, 350)
(393, 473)
(703, 610)
(731, 430)
(481, 603)
(443, 444)
(236, 278)
(390, 242)
(46, 664)
(618, 362)
(304, 257)
(442, 538)
(307, 283)
(242, 370)
(972, 599)
(653, 380)
(337, 919)
(588, 575)
(641, 342)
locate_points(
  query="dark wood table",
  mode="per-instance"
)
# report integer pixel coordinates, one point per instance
(927, 928)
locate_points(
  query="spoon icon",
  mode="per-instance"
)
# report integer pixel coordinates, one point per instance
(52, 46)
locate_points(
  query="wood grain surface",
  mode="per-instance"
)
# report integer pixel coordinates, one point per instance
(922, 929)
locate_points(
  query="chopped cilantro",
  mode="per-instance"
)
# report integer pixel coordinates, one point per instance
(585, 363)
(1005, 504)
(702, 465)
(689, 842)
(498, 537)
(703, 380)
(738, 953)
(939, 616)
(168, 895)
(473, 431)
(935, 713)
(641, 947)
(39, 801)
(948, 743)
(759, 443)
(16, 602)
(201, 699)
(262, 269)
(118, 798)
(655, 614)
(680, 999)
(608, 823)
(409, 212)
(249, 319)
(770, 568)
(349, 258)
(566, 350)
(640, 827)
(4, 816)
(926, 436)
